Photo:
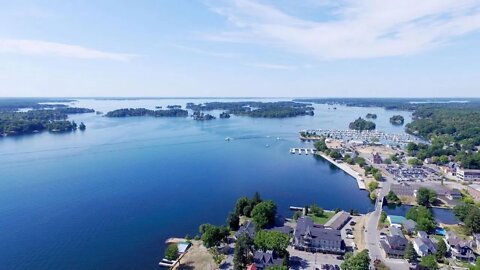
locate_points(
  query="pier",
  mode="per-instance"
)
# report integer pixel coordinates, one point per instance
(346, 169)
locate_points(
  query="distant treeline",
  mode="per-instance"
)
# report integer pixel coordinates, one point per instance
(280, 109)
(14, 104)
(147, 112)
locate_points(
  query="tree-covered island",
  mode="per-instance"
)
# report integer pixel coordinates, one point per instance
(280, 109)
(371, 116)
(397, 120)
(146, 112)
(362, 124)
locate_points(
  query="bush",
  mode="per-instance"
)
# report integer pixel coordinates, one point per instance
(171, 253)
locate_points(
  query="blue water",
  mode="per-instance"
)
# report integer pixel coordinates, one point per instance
(445, 216)
(107, 198)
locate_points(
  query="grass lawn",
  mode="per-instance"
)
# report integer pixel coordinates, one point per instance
(327, 215)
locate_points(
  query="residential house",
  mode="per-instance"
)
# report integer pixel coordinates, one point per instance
(394, 244)
(409, 226)
(460, 249)
(423, 245)
(248, 228)
(267, 259)
(317, 238)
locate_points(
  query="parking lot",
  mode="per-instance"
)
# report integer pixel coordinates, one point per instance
(311, 261)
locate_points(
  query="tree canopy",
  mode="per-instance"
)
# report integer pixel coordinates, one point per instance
(361, 261)
(263, 214)
(426, 196)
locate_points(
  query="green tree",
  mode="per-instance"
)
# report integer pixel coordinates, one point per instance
(426, 197)
(320, 145)
(472, 221)
(272, 240)
(410, 253)
(233, 221)
(171, 253)
(441, 250)
(423, 216)
(240, 205)
(316, 210)
(360, 161)
(263, 214)
(82, 126)
(361, 261)
(387, 161)
(377, 175)
(256, 199)
(372, 185)
(477, 265)
(242, 255)
(277, 267)
(429, 262)
(335, 154)
(212, 235)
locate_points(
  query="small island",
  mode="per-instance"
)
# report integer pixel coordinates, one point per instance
(371, 116)
(145, 112)
(200, 116)
(224, 115)
(362, 124)
(397, 120)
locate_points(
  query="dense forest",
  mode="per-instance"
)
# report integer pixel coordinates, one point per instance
(452, 131)
(14, 104)
(33, 121)
(146, 112)
(362, 124)
(280, 109)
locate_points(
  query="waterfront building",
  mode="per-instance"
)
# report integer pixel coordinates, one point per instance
(248, 228)
(468, 175)
(313, 237)
(409, 226)
(339, 220)
(423, 245)
(396, 221)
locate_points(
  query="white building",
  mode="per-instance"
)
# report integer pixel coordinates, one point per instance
(468, 175)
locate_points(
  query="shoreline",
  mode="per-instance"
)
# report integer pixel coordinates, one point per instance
(346, 169)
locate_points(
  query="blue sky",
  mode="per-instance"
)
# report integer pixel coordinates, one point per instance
(286, 48)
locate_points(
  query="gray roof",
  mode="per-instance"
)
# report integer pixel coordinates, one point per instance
(338, 220)
(265, 259)
(247, 228)
(422, 234)
(409, 225)
(305, 226)
(395, 231)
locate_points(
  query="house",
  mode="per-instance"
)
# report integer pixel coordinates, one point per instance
(248, 228)
(317, 238)
(424, 245)
(460, 249)
(409, 226)
(339, 220)
(468, 175)
(394, 244)
(453, 194)
(396, 221)
(377, 159)
(267, 259)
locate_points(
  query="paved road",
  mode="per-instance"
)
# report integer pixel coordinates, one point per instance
(372, 235)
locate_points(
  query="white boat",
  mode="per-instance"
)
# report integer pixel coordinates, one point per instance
(228, 139)
(292, 151)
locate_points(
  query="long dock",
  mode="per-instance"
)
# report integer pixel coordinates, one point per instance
(347, 169)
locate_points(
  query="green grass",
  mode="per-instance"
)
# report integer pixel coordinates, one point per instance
(327, 215)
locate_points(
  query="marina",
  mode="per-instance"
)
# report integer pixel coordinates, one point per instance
(358, 136)
(305, 151)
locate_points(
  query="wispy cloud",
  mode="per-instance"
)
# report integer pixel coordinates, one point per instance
(37, 47)
(204, 52)
(351, 28)
(271, 66)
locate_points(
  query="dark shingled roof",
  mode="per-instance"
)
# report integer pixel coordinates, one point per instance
(266, 259)
(338, 220)
(305, 226)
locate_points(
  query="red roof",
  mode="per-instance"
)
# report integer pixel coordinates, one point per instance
(252, 267)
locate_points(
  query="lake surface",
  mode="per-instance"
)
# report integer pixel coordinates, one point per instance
(109, 197)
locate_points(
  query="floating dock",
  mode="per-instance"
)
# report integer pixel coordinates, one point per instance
(305, 151)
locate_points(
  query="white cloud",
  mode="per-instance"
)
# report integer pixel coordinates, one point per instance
(271, 66)
(37, 47)
(352, 28)
(204, 52)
